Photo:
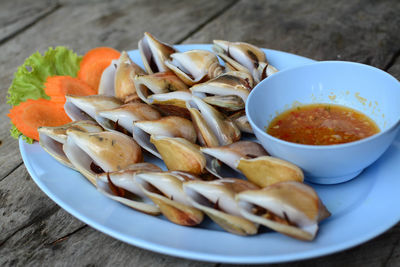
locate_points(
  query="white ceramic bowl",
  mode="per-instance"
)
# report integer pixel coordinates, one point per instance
(358, 86)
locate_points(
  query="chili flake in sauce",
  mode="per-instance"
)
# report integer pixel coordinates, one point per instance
(322, 124)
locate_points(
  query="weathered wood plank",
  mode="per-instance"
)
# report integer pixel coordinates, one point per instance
(39, 245)
(365, 31)
(118, 24)
(377, 252)
(18, 14)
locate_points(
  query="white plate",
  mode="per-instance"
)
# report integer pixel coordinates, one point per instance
(361, 209)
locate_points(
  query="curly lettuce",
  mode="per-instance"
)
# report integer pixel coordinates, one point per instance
(28, 82)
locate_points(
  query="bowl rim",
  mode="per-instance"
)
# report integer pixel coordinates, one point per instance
(319, 147)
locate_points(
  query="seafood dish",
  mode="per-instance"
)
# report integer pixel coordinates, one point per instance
(187, 109)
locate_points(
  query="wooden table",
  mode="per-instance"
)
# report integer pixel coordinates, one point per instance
(35, 231)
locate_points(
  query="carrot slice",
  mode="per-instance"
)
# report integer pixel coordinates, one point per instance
(31, 114)
(58, 86)
(94, 63)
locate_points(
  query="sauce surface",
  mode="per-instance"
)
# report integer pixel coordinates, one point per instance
(322, 124)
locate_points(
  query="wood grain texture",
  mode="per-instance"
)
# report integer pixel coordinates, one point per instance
(16, 15)
(364, 31)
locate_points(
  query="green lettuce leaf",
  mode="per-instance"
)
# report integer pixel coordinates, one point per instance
(28, 82)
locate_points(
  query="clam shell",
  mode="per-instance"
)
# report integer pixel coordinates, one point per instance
(125, 115)
(264, 171)
(194, 66)
(154, 53)
(165, 189)
(232, 153)
(180, 154)
(209, 122)
(107, 80)
(125, 179)
(123, 84)
(263, 71)
(241, 121)
(217, 200)
(224, 85)
(247, 55)
(291, 208)
(171, 126)
(86, 107)
(110, 151)
(158, 83)
(51, 139)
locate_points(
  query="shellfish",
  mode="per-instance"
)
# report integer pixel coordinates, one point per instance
(194, 66)
(93, 153)
(165, 189)
(154, 53)
(217, 200)
(291, 208)
(51, 139)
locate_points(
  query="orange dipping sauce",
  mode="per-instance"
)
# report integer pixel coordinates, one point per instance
(322, 124)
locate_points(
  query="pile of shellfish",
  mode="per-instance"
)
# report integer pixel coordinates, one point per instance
(187, 109)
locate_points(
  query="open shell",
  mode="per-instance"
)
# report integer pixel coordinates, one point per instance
(171, 126)
(111, 183)
(194, 66)
(231, 154)
(93, 153)
(240, 54)
(154, 53)
(165, 190)
(224, 85)
(264, 171)
(263, 71)
(213, 128)
(217, 200)
(179, 154)
(241, 121)
(291, 208)
(125, 115)
(172, 103)
(124, 86)
(86, 107)
(107, 80)
(158, 83)
(52, 139)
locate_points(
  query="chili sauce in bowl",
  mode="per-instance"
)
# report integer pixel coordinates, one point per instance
(322, 124)
(323, 139)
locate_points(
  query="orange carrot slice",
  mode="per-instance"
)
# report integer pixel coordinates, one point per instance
(58, 86)
(94, 63)
(31, 114)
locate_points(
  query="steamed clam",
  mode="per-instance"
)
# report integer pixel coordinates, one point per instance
(124, 86)
(213, 128)
(120, 186)
(231, 154)
(86, 107)
(165, 190)
(107, 80)
(171, 126)
(179, 154)
(121, 118)
(291, 208)
(224, 85)
(93, 153)
(154, 53)
(52, 139)
(194, 66)
(157, 83)
(217, 200)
